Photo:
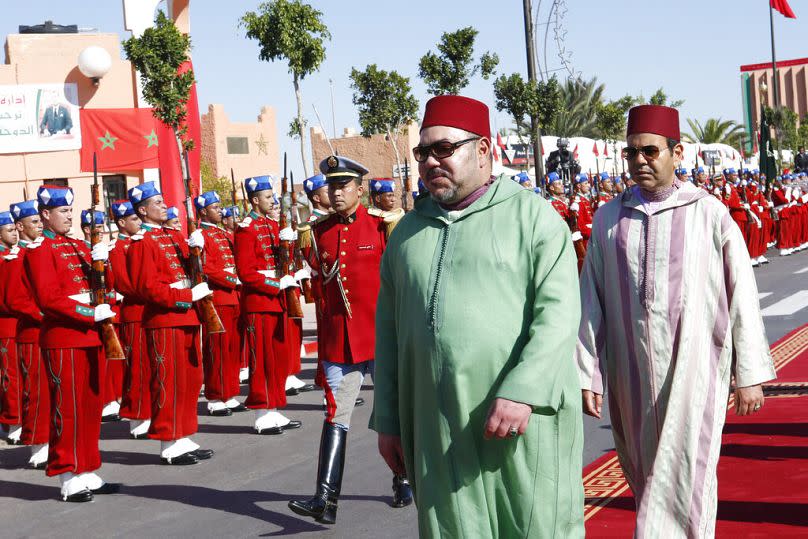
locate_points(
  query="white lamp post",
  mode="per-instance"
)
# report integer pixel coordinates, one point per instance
(94, 62)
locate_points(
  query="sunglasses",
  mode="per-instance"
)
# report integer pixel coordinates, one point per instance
(439, 150)
(649, 152)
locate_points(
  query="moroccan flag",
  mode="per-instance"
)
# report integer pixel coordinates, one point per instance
(783, 7)
(768, 165)
(500, 143)
(605, 149)
(123, 139)
(575, 152)
(171, 179)
(595, 149)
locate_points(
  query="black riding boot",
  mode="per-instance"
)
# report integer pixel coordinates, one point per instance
(402, 491)
(323, 506)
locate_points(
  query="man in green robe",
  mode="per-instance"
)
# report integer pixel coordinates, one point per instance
(476, 393)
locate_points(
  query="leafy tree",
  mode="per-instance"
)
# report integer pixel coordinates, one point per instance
(295, 129)
(715, 130)
(787, 129)
(523, 101)
(385, 104)
(157, 55)
(610, 118)
(293, 31)
(449, 71)
(802, 132)
(578, 115)
(211, 182)
(661, 98)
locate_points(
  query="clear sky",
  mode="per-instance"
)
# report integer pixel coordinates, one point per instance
(691, 48)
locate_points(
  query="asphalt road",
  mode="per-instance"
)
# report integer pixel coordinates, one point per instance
(243, 490)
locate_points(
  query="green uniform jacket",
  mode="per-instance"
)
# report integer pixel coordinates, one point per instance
(472, 308)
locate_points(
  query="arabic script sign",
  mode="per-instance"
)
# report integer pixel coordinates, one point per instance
(39, 118)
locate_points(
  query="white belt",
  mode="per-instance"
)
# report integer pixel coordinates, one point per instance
(231, 270)
(267, 273)
(182, 284)
(83, 298)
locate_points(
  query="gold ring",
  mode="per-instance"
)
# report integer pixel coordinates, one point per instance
(757, 407)
(513, 432)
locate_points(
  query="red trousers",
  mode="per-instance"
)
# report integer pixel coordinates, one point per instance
(176, 378)
(268, 360)
(35, 395)
(75, 377)
(113, 385)
(242, 341)
(10, 395)
(221, 357)
(784, 234)
(136, 399)
(294, 339)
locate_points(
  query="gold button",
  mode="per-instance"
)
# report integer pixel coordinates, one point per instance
(344, 240)
(344, 279)
(342, 253)
(346, 291)
(343, 266)
(345, 229)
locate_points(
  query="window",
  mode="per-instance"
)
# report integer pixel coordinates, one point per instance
(61, 182)
(114, 188)
(238, 145)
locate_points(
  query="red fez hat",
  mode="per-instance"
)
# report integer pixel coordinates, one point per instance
(654, 119)
(457, 111)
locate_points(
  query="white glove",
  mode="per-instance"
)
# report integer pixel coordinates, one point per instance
(770, 204)
(287, 234)
(743, 183)
(196, 239)
(804, 199)
(287, 281)
(303, 273)
(787, 193)
(728, 189)
(574, 206)
(576, 236)
(717, 191)
(202, 290)
(100, 251)
(746, 206)
(118, 296)
(103, 312)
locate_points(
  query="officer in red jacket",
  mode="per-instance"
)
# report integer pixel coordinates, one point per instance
(113, 383)
(58, 271)
(555, 191)
(345, 248)
(582, 206)
(19, 300)
(156, 263)
(136, 396)
(10, 382)
(221, 354)
(263, 305)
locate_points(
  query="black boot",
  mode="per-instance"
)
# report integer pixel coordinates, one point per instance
(323, 506)
(402, 491)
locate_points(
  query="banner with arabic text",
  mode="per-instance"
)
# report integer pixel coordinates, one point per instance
(39, 118)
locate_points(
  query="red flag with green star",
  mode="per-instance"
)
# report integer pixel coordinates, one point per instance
(123, 139)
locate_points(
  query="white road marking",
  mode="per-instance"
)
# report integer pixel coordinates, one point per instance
(788, 306)
(762, 295)
(803, 270)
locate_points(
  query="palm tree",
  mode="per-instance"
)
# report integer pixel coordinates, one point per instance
(715, 131)
(579, 110)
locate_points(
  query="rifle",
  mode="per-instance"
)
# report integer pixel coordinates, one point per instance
(244, 200)
(572, 222)
(305, 284)
(282, 265)
(207, 311)
(98, 279)
(595, 191)
(233, 188)
(407, 185)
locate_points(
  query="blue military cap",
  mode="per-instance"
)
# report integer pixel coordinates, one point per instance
(206, 199)
(697, 170)
(746, 171)
(87, 217)
(537, 190)
(21, 210)
(122, 208)
(5, 218)
(581, 178)
(729, 170)
(680, 171)
(604, 176)
(755, 171)
(258, 183)
(142, 192)
(382, 185)
(522, 177)
(235, 211)
(312, 184)
(553, 177)
(53, 196)
(172, 213)
(339, 169)
(227, 212)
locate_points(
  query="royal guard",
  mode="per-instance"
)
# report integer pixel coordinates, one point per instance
(317, 193)
(606, 191)
(383, 193)
(581, 205)
(10, 382)
(136, 394)
(229, 220)
(345, 248)
(555, 192)
(172, 219)
(19, 300)
(760, 214)
(59, 273)
(221, 353)
(263, 304)
(113, 385)
(156, 261)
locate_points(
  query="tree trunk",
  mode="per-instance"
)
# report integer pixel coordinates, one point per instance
(394, 141)
(301, 125)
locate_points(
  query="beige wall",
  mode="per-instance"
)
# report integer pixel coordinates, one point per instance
(51, 58)
(375, 153)
(262, 144)
(792, 87)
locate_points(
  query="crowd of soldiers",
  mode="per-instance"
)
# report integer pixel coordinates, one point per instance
(176, 311)
(769, 214)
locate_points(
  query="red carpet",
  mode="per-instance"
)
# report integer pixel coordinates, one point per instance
(762, 473)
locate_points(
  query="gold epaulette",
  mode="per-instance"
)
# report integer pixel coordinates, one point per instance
(304, 230)
(390, 218)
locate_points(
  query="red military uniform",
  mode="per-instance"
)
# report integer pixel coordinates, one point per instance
(10, 380)
(155, 262)
(19, 300)
(603, 198)
(737, 212)
(263, 306)
(560, 205)
(57, 270)
(222, 352)
(136, 397)
(784, 213)
(584, 216)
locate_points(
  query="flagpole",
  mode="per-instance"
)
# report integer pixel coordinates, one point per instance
(775, 81)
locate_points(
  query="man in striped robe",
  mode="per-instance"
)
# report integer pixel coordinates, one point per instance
(670, 318)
